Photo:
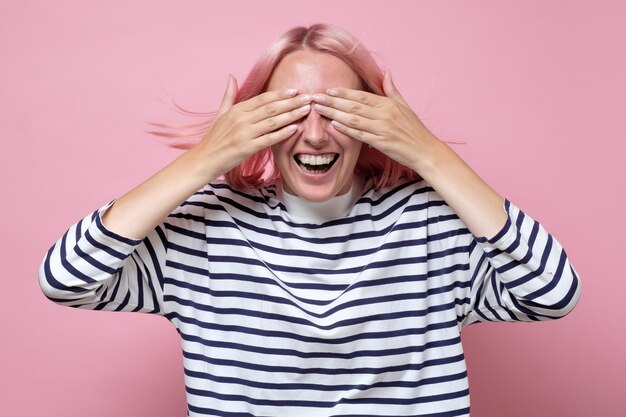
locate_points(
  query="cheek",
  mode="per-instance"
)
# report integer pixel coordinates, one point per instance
(282, 149)
(352, 148)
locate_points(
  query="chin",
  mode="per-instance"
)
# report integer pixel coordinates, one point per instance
(314, 193)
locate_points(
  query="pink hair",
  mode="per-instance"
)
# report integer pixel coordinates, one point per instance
(252, 173)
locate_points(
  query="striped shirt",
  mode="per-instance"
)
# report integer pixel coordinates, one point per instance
(279, 315)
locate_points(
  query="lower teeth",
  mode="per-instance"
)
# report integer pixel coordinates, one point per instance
(313, 171)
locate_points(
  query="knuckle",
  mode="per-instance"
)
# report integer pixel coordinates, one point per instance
(270, 109)
(353, 121)
(355, 108)
(260, 100)
(272, 123)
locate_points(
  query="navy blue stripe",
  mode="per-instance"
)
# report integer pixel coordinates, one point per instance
(339, 238)
(221, 413)
(78, 230)
(284, 235)
(306, 322)
(418, 260)
(102, 302)
(93, 262)
(52, 281)
(487, 307)
(240, 347)
(107, 249)
(320, 340)
(325, 387)
(529, 313)
(102, 228)
(408, 401)
(188, 232)
(393, 192)
(397, 206)
(263, 296)
(270, 281)
(565, 301)
(68, 266)
(516, 243)
(505, 229)
(327, 404)
(139, 278)
(235, 191)
(211, 240)
(186, 268)
(156, 267)
(452, 413)
(273, 368)
(121, 306)
(532, 274)
(124, 303)
(556, 278)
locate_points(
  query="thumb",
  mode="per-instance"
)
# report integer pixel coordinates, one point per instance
(390, 90)
(229, 95)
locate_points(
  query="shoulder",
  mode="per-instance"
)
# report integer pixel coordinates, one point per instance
(417, 194)
(419, 205)
(218, 197)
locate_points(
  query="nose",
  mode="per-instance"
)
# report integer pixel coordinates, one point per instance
(313, 129)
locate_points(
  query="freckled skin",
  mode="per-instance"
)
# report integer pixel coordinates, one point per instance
(314, 72)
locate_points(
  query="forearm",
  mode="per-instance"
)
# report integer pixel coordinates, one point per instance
(140, 210)
(238, 132)
(474, 201)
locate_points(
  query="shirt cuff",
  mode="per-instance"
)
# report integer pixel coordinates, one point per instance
(505, 236)
(108, 237)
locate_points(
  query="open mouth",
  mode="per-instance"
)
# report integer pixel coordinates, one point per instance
(316, 164)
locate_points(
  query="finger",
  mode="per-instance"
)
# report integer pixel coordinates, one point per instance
(279, 121)
(363, 97)
(229, 95)
(267, 97)
(348, 119)
(358, 134)
(272, 138)
(276, 108)
(390, 90)
(347, 106)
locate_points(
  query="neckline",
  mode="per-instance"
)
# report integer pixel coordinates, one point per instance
(322, 211)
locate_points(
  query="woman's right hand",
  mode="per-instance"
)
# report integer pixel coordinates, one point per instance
(240, 130)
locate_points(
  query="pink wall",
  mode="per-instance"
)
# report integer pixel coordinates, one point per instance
(537, 90)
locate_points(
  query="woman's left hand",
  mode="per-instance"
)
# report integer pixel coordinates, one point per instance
(386, 123)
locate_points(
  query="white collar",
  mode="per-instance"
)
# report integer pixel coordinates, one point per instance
(322, 211)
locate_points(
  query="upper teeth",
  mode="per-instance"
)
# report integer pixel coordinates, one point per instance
(315, 159)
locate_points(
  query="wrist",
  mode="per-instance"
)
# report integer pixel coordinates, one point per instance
(198, 167)
(433, 158)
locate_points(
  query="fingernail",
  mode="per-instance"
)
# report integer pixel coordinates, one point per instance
(291, 128)
(304, 109)
(332, 91)
(319, 98)
(319, 108)
(291, 92)
(305, 98)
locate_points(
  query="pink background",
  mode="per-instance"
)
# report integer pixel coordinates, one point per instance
(536, 89)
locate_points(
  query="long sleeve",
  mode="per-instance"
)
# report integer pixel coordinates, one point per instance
(93, 268)
(521, 274)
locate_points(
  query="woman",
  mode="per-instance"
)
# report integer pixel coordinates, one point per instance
(337, 282)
